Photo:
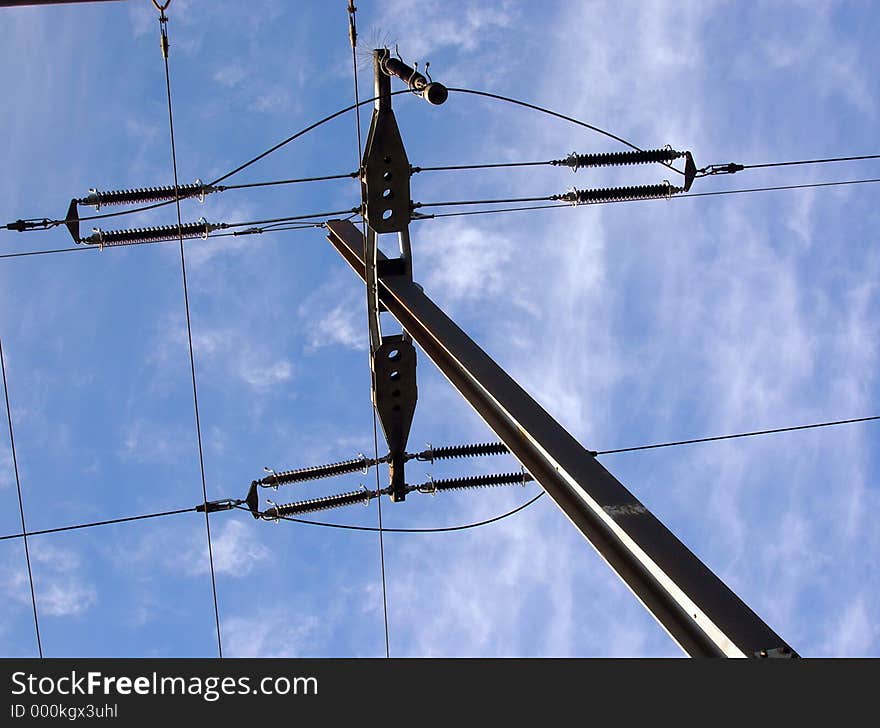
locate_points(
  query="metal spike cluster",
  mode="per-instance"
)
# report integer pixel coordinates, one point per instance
(618, 194)
(354, 465)
(133, 236)
(319, 504)
(611, 159)
(146, 194)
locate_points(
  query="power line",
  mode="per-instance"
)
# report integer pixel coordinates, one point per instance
(438, 529)
(27, 554)
(754, 433)
(556, 114)
(352, 30)
(163, 23)
(606, 202)
(96, 523)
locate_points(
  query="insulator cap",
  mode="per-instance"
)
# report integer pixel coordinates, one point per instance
(319, 504)
(318, 471)
(145, 194)
(478, 481)
(462, 451)
(613, 159)
(151, 234)
(618, 194)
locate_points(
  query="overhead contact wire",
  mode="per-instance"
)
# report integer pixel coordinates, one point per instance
(192, 361)
(27, 554)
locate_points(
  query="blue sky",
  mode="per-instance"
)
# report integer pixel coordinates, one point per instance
(632, 323)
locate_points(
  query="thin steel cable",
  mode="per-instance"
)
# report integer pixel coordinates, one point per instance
(439, 529)
(556, 114)
(812, 161)
(27, 553)
(192, 360)
(353, 37)
(289, 181)
(45, 252)
(754, 433)
(673, 197)
(25, 534)
(449, 167)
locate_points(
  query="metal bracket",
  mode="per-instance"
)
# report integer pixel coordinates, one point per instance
(386, 169)
(394, 368)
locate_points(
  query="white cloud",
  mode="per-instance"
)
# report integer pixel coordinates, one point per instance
(271, 633)
(236, 547)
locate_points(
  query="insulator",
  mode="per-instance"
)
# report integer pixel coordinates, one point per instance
(462, 451)
(618, 194)
(613, 159)
(319, 504)
(145, 194)
(318, 471)
(477, 481)
(198, 229)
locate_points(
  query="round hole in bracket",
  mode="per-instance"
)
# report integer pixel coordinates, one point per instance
(394, 354)
(387, 193)
(395, 393)
(387, 159)
(394, 376)
(386, 214)
(387, 176)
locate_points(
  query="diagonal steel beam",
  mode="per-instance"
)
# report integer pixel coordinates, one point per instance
(694, 606)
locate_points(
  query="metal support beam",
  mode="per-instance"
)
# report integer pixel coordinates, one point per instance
(694, 606)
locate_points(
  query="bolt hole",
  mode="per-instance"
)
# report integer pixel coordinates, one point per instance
(386, 215)
(387, 176)
(387, 193)
(394, 354)
(387, 159)
(394, 376)
(395, 393)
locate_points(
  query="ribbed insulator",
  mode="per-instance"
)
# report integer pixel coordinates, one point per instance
(318, 471)
(145, 194)
(150, 234)
(463, 451)
(613, 159)
(618, 194)
(319, 504)
(480, 481)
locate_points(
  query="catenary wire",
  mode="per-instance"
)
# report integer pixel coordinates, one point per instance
(811, 161)
(437, 529)
(94, 524)
(753, 433)
(673, 197)
(27, 553)
(192, 361)
(556, 114)
(353, 39)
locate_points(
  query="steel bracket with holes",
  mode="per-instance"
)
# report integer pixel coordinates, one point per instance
(385, 176)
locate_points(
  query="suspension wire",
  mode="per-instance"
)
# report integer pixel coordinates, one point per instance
(27, 554)
(163, 22)
(352, 34)
(415, 170)
(556, 114)
(673, 197)
(546, 198)
(755, 433)
(438, 529)
(350, 175)
(46, 252)
(93, 524)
